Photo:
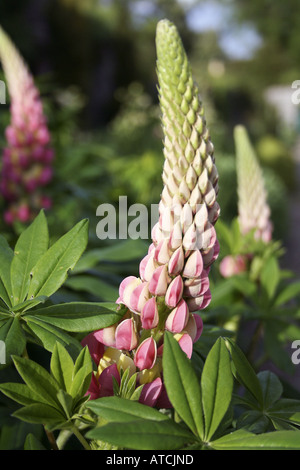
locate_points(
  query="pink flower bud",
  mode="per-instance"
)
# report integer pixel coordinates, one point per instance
(43, 135)
(126, 288)
(186, 217)
(199, 324)
(194, 265)
(11, 136)
(45, 176)
(124, 284)
(161, 252)
(139, 297)
(107, 336)
(178, 318)
(156, 234)
(232, 265)
(212, 255)
(174, 292)
(175, 240)
(186, 344)
(149, 315)
(147, 267)
(151, 248)
(166, 220)
(151, 392)
(176, 262)
(199, 303)
(191, 327)
(189, 241)
(159, 281)
(208, 238)
(126, 336)
(197, 286)
(145, 355)
(23, 213)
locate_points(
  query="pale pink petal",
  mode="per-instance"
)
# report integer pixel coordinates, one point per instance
(145, 355)
(174, 292)
(107, 336)
(126, 336)
(194, 265)
(149, 315)
(186, 344)
(178, 318)
(199, 303)
(159, 281)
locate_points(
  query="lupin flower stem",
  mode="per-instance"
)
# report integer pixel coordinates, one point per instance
(27, 159)
(254, 211)
(173, 284)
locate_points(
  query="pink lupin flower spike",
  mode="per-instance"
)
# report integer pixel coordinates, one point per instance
(27, 159)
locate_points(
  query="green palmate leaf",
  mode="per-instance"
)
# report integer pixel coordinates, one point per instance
(20, 393)
(281, 425)
(66, 402)
(31, 245)
(253, 421)
(4, 295)
(32, 443)
(243, 440)
(40, 413)
(81, 381)
(49, 335)
(62, 366)
(80, 316)
(216, 387)
(52, 269)
(143, 435)
(270, 276)
(115, 409)
(182, 385)
(83, 359)
(271, 387)
(6, 257)
(28, 304)
(13, 336)
(286, 409)
(288, 293)
(244, 371)
(38, 380)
